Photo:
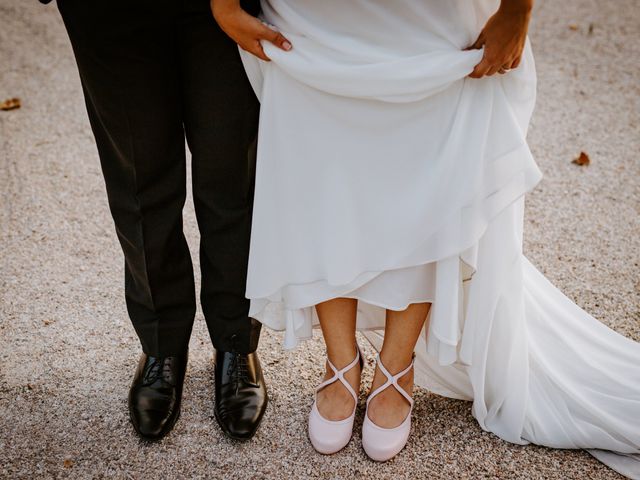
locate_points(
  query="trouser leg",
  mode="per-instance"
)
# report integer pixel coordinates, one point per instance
(221, 120)
(128, 58)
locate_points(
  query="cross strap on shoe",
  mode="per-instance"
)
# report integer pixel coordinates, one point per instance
(329, 436)
(382, 444)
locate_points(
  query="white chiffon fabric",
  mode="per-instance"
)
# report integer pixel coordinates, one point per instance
(385, 174)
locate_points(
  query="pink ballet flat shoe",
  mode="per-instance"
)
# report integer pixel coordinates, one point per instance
(382, 444)
(329, 436)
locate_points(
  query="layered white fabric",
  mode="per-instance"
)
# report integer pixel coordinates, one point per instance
(385, 174)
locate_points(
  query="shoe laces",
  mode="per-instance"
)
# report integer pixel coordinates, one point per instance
(237, 368)
(238, 371)
(160, 369)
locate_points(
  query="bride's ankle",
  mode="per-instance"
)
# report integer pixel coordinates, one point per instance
(341, 357)
(405, 382)
(395, 362)
(335, 402)
(352, 376)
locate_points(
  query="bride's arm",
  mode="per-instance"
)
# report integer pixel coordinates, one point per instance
(244, 29)
(503, 38)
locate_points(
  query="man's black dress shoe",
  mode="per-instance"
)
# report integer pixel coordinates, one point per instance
(155, 395)
(241, 394)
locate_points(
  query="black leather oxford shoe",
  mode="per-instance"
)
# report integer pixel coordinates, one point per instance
(241, 394)
(155, 395)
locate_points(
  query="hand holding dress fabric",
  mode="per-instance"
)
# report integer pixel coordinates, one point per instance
(246, 30)
(503, 38)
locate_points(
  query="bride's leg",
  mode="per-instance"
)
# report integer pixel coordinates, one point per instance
(338, 322)
(389, 408)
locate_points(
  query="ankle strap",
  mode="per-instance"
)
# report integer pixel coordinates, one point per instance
(392, 380)
(338, 375)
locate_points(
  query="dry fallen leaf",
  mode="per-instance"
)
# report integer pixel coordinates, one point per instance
(10, 104)
(582, 160)
(573, 26)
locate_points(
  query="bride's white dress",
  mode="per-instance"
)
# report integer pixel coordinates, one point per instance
(385, 174)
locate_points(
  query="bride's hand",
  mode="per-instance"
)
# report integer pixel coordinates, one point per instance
(244, 29)
(503, 38)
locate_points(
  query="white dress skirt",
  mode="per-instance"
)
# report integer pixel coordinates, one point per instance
(387, 175)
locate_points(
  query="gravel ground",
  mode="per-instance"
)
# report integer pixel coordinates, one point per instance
(67, 349)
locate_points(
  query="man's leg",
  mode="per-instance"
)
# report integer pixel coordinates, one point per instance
(221, 122)
(128, 61)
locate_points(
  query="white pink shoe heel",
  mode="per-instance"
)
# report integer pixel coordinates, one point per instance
(382, 444)
(329, 436)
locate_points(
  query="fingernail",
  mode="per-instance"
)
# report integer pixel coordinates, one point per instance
(286, 45)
